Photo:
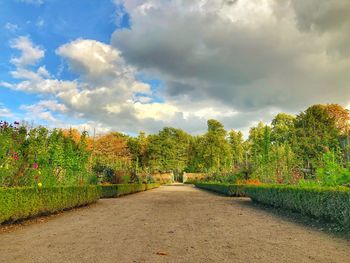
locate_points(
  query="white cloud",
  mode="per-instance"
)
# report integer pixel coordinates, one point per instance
(106, 98)
(47, 105)
(11, 27)
(156, 111)
(92, 127)
(5, 112)
(40, 22)
(6, 84)
(39, 81)
(246, 55)
(107, 93)
(30, 54)
(33, 2)
(93, 60)
(235, 61)
(40, 113)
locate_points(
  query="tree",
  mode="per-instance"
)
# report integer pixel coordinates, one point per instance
(138, 148)
(112, 149)
(316, 133)
(340, 116)
(215, 149)
(168, 150)
(236, 142)
(195, 159)
(282, 128)
(256, 143)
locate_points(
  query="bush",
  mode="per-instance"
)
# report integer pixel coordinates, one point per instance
(226, 189)
(23, 202)
(332, 204)
(38, 155)
(190, 182)
(332, 173)
(116, 190)
(152, 186)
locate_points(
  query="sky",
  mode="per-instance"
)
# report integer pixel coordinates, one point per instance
(141, 65)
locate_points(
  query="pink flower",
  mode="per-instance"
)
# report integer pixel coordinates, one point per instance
(35, 166)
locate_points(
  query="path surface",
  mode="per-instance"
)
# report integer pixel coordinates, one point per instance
(181, 222)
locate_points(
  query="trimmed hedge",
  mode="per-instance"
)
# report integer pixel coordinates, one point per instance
(23, 202)
(222, 188)
(190, 182)
(116, 190)
(332, 204)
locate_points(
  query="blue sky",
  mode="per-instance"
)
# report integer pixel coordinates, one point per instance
(132, 65)
(51, 24)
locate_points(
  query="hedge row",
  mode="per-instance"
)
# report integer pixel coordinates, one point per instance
(332, 204)
(222, 188)
(116, 190)
(23, 202)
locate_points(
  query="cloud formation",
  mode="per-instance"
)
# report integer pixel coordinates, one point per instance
(30, 54)
(248, 55)
(236, 61)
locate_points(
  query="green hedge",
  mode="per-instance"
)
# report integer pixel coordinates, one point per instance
(222, 188)
(116, 190)
(23, 202)
(332, 204)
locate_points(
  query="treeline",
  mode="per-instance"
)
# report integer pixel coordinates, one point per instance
(314, 146)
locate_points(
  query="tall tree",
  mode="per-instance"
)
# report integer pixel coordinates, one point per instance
(168, 150)
(282, 128)
(195, 158)
(236, 141)
(215, 149)
(138, 148)
(112, 149)
(316, 133)
(256, 141)
(340, 115)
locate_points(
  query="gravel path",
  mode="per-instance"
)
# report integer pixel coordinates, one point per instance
(170, 224)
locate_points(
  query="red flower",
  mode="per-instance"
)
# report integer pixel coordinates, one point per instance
(35, 166)
(36, 177)
(15, 157)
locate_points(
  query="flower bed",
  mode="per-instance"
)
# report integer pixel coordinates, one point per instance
(116, 190)
(23, 202)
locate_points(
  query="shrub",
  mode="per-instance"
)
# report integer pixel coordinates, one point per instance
(23, 202)
(332, 173)
(332, 204)
(249, 181)
(116, 190)
(152, 186)
(38, 155)
(226, 189)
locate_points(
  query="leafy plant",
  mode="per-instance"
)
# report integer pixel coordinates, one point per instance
(332, 173)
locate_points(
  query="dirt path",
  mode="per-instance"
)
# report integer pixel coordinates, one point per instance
(184, 223)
